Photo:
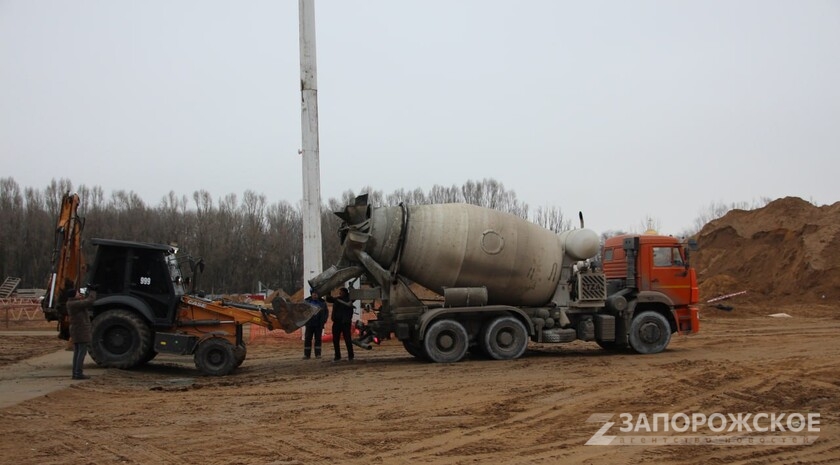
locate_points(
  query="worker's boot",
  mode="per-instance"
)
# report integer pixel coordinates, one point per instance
(307, 353)
(317, 352)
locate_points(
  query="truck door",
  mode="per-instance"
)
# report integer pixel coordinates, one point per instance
(666, 273)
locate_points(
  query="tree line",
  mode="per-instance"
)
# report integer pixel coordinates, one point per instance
(243, 240)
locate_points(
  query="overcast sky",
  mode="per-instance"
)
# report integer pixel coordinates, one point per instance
(621, 109)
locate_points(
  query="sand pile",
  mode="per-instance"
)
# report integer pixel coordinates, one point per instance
(787, 251)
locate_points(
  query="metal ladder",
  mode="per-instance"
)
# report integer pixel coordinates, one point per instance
(9, 286)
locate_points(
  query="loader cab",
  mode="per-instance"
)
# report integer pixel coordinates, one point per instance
(142, 277)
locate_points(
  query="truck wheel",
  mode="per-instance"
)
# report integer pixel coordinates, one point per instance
(650, 333)
(415, 350)
(446, 341)
(505, 338)
(120, 339)
(240, 352)
(215, 357)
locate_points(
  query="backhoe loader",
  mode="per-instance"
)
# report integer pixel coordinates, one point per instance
(144, 305)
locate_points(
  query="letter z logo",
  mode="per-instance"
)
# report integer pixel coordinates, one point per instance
(599, 438)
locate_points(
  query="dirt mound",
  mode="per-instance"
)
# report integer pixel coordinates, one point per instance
(787, 251)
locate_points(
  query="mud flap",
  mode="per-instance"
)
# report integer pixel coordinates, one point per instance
(292, 316)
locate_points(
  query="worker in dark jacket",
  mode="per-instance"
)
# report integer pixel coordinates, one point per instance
(78, 305)
(342, 317)
(315, 325)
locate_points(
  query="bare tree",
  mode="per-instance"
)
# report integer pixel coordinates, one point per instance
(442, 194)
(200, 240)
(37, 239)
(55, 190)
(173, 218)
(397, 197)
(284, 260)
(552, 218)
(492, 194)
(253, 249)
(11, 207)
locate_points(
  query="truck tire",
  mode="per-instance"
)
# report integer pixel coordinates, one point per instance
(120, 339)
(505, 338)
(650, 333)
(415, 350)
(446, 341)
(215, 357)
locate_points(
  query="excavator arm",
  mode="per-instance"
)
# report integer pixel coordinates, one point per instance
(67, 263)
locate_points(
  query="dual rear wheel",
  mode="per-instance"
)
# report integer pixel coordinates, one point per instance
(447, 340)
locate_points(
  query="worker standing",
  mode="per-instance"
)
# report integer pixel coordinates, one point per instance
(315, 325)
(342, 317)
(78, 304)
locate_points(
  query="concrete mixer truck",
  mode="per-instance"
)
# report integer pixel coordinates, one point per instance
(505, 282)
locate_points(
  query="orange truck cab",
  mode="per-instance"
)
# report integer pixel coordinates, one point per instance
(652, 273)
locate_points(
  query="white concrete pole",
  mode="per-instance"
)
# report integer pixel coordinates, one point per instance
(312, 254)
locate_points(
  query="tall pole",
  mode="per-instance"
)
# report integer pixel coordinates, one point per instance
(312, 255)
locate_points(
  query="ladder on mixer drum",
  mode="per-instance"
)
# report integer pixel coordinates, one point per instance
(9, 286)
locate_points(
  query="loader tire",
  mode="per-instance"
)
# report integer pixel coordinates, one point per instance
(150, 355)
(215, 357)
(120, 339)
(650, 333)
(446, 341)
(240, 352)
(505, 338)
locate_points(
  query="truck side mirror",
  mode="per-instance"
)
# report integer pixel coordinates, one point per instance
(690, 246)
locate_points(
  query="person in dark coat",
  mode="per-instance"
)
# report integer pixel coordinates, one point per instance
(342, 317)
(77, 307)
(315, 325)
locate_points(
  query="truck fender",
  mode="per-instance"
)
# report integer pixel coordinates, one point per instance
(427, 318)
(124, 301)
(653, 297)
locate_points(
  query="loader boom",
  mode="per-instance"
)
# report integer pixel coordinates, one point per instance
(67, 263)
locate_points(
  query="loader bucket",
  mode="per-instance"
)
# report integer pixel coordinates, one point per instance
(292, 316)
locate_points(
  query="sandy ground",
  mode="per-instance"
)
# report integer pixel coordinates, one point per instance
(387, 407)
